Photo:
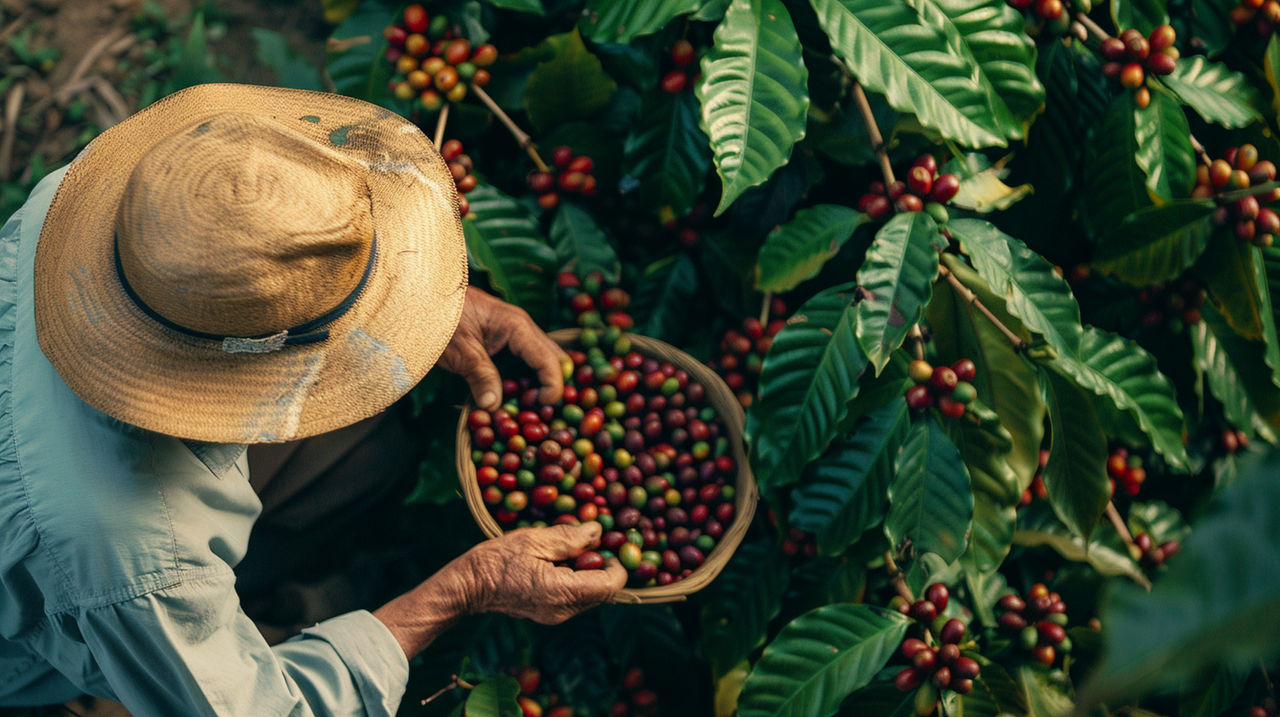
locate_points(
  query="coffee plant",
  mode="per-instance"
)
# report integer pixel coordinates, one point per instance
(993, 281)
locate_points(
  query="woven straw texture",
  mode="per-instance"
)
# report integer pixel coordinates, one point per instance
(279, 192)
(729, 411)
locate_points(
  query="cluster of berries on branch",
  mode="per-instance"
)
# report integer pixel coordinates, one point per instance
(535, 702)
(1039, 623)
(924, 190)
(460, 167)
(1240, 168)
(636, 700)
(949, 388)
(1042, 13)
(1131, 56)
(1233, 441)
(799, 542)
(938, 666)
(572, 174)
(1264, 14)
(742, 352)
(1036, 490)
(684, 74)
(1151, 555)
(432, 62)
(1176, 305)
(1127, 469)
(593, 302)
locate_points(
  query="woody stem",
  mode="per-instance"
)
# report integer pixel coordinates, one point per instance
(522, 137)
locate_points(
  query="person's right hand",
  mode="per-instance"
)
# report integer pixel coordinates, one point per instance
(515, 574)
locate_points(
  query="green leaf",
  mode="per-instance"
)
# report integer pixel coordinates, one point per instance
(1116, 187)
(1164, 153)
(625, 20)
(1142, 15)
(796, 251)
(1255, 363)
(1211, 693)
(661, 301)
(530, 6)
(360, 70)
(1157, 243)
(580, 245)
(995, 694)
(984, 444)
(1237, 285)
(845, 492)
(1271, 66)
(1076, 474)
(930, 500)
(976, 88)
(505, 242)
(1045, 698)
(1102, 558)
(739, 605)
(1219, 95)
(810, 375)
(1243, 402)
(291, 70)
(1128, 392)
(896, 279)
(819, 658)
(1032, 291)
(753, 93)
(985, 192)
(572, 84)
(666, 154)
(1218, 603)
(1158, 519)
(494, 697)
(881, 699)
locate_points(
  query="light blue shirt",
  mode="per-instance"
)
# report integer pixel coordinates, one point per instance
(116, 554)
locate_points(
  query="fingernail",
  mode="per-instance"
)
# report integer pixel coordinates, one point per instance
(487, 398)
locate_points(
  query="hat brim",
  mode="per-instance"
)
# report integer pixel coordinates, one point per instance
(128, 366)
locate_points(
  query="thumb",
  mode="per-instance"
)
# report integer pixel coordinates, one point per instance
(482, 376)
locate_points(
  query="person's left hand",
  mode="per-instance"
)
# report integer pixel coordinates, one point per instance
(487, 326)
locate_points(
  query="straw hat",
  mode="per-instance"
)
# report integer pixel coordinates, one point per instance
(241, 264)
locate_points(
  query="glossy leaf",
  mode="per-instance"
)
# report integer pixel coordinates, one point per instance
(661, 302)
(797, 250)
(930, 501)
(1218, 602)
(571, 84)
(625, 20)
(665, 155)
(995, 694)
(1076, 474)
(1044, 696)
(809, 377)
(753, 93)
(986, 192)
(1242, 401)
(1271, 67)
(1116, 186)
(1164, 153)
(494, 697)
(1254, 363)
(845, 492)
(896, 279)
(984, 445)
(505, 242)
(819, 658)
(1142, 15)
(1212, 693)
(1237, 285)
(1102, 558)
(738, 606)
(1157, 243)
(580, 245)
(529, 6)
(1219, 95)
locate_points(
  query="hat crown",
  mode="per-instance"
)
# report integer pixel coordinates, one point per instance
(240, 226)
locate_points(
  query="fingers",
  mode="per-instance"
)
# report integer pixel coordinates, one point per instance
(483, 378)
(562, 542)
(542, 354)
(593, 587)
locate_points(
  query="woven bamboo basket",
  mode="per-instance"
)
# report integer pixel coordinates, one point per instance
(728, 410)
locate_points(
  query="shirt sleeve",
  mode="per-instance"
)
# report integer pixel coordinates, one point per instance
(189, 649)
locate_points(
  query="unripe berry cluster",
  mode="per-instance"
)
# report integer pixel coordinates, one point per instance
(1152, 555)
(1240, 168)
(684, 75)
(1178, 305)
(924, 190)
(573, 174)
(460, 167)
(1265, 15)
(950, 389)
(1036, 489)
(432, 62)
(1039, 623)
(594, 304)
(1233, 440)
(636, 700)
(742, 352)
(1131, 56)
(1126, 468)
(534, 702)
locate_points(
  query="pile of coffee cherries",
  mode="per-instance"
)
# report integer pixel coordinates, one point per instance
(1131, 56)
(460, 167)
(949, 388)
(742, 352)
(1039, 623)
(572, 174)
(594, 303)
(1127, 469)
(1240, 168)
(924, 190)
(634, 445)
(431, 62)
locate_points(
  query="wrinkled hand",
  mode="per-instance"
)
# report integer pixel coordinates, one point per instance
(515, 574)
(487, 326)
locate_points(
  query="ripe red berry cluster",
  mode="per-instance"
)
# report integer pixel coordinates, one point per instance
(798, 542)
(1131, 56)
(682, 58)
(1126, 468)
(535, 703)
(934, 667)
(1152, 555)
(1179, 305)
(1233, 440)
(432, 62)
(950, 389)
(686, 228)
(595, 305)
(1039, 622)
(924, 190)
(633, 445)
(1036, 489)
(742, 352)
(573, 175)
(1240, 168)
(1264, 15)
(637, 700)
(460, 167)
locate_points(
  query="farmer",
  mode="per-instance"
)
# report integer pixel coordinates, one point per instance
(232, 266)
